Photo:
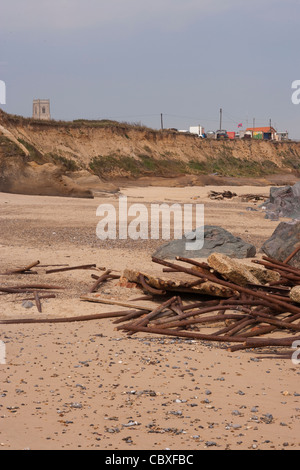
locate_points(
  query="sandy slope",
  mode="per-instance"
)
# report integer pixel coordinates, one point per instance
(88, 386)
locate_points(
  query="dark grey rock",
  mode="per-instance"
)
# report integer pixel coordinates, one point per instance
(283, 242)
(284, 202)
(271, 215)
(216, 240)
(211, 444)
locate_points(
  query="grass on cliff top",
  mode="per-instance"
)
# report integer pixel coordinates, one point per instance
(75, 124)
(112, 165)
(231, 166)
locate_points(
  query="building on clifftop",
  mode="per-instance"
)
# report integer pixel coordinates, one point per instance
(41, 110)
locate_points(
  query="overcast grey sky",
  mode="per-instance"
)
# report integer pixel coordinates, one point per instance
(131, 60)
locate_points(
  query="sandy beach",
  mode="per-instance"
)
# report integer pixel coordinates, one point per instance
(85, 385)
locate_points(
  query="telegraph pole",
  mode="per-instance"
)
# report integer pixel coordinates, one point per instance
(161, 122)
(221, 113)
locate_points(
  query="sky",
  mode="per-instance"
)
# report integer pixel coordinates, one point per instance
(133, 60)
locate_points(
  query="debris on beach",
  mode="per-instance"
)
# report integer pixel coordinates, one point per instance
(220, 195)
(40, 291)
(221, 300)
(253, 198)
(246, 317)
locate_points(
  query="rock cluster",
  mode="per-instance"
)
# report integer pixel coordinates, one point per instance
(283, 202)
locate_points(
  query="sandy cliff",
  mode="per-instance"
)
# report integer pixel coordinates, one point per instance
(75, 158)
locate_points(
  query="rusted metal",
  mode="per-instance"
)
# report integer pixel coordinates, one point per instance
(42, 297)
(150, 316)
(248, 313)
(60, 270)
(148, 288)
(184, 334)
(236, 327)
(23, 289)
(292, 255)
(22, 270)
(232, 286)
(38, 301)
(278, 267)
(272, 289)
(266, 318)
(99, 281)
(194, 321)
(194, 262)
(83, 318)
(90, 298)
(253, 343)
(111, 276)
(193, 313)
(133, 314)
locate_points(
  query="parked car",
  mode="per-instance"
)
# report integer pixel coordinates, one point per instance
(221, 134)
(210, 134)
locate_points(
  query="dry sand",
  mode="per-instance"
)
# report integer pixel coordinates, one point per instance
(85, 385)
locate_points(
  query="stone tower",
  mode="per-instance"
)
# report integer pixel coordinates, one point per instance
(41, 110)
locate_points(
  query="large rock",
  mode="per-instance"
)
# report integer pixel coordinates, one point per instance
(284, 202)
(284, 240)
(216, 240)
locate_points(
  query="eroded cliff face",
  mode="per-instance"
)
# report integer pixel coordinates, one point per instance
(110, 151)
(19, 175)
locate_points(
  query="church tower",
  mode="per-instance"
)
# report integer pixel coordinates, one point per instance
(41, 110)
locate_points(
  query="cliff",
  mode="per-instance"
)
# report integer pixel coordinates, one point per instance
(82, 155)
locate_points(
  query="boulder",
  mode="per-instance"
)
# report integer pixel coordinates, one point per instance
(284, 240)
(216, 240)
(283, 202)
